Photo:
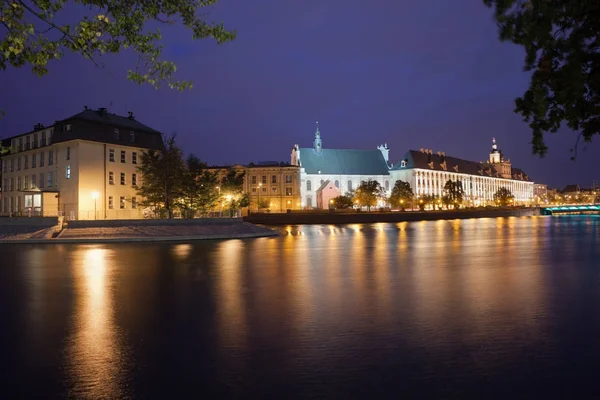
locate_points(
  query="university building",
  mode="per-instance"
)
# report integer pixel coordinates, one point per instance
(345, 168)
(427, 174)
(82, 167)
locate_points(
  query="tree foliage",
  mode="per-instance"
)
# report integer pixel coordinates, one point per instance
(199, 187)
(39, 31)
(368, 193)
(402, 195)
(232, 190)
(342, 202)
(503, 196)
(453, 193)
(562, 44)
(163, 173)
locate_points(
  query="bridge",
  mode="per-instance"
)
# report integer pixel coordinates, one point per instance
(571, 209)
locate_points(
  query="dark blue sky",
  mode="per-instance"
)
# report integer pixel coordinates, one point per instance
(412, 74)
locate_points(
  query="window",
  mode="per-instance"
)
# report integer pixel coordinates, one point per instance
(133, 157)
(131, 136)
(68, 172)
(122, 202)
(134, 179)
(68, 153)
(111, 178)
(254, 179)
(10, 184)
(337, 184)
(42, 181)
(117, 134)
(134, 202)
(403, 164)
(43, 139)
(288, 179)
(309, 201)
(308, 185)
(18, 183)
(350, 185)
(33, 160)
(12, 165)
(26, 182)
(50, 178)
(20, 146)
(111, 155)
(42, 159)
(66, 128)
(35, 141)
(264, 180)
(26, 166)
(122, 178)
(123, 156)
(264, 190)
(273, 179)
(254, 190)
(19, 163)
(274, 189)
(111, 203)
(48, 137)
(33, 181)
(50, 157)
(288, 191)
(27, 142)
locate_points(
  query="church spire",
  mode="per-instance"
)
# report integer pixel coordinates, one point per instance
(318, 143)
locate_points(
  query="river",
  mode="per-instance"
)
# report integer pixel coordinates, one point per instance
(487, 308)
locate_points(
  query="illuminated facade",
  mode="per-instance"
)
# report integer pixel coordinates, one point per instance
(428, 173)
(83, 167)
(345, 168)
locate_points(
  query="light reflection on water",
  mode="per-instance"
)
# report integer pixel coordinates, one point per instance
(428, 308)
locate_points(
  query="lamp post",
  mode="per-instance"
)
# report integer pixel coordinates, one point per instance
(95, 197)
(220, 203)
(259, 189)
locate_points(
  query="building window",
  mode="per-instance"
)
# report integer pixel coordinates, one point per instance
(134, 202)
(12, 165)
(48, 137)
(350, 186)
(274, 189)
(42, 159)
(35, 141)
(50, 179)
(117, 134)
(308, 185)
(131, 137)
(403, 164)
(42, 181)
(254, 179)
(309, 201)
(134, 179)
(26, 182)
(288, 191)
(264, 179)
(122, 202)
(27, 143)
(68, 153)
(134, 157)
(122, 178)
(18, 183)
(253, 190)
(33, 181)
(111, 155)
(264, 190)
(50, 157)
(273, 179)
(288, 179)
(43, 139)
(123, 156)
(111, 203)
(111, 178)
(337, 184)
(33, 160)
(66, 128)
(68, 172)
(26, 166)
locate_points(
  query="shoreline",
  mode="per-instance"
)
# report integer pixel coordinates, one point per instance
(341, 218)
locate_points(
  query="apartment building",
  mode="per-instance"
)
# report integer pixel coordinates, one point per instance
(82, 167)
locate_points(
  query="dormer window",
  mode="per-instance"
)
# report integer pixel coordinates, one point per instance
(403, 164)
(66, 128)
(131, 136)
(117, 134)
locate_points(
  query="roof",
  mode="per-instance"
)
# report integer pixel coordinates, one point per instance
(324, 185)
(343, 162)
(436, 162)
(102, 116)
(571, 189)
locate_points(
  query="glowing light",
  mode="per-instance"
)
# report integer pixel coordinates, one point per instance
(95, 195)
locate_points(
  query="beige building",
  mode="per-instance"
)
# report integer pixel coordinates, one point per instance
(83, 167)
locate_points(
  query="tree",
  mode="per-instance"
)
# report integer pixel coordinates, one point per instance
(427, 199)
(199, 187)
(402, 195)
(232, 190)
(453, 192)
(263, 204)
(38, 31)
(503, 196)
(342, 202)
(562, 44)
(368, 193)
(163, 173)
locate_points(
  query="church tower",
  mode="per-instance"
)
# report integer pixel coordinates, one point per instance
(495, 154)
(502, 166)
(318, 143)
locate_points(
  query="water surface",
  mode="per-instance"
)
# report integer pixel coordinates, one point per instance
(488, 308)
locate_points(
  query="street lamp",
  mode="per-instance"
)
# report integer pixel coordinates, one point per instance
(259, 189)
(95, 197)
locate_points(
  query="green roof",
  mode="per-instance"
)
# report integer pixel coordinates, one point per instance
(343, 162)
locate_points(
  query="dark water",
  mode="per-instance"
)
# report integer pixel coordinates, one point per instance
(490, 308)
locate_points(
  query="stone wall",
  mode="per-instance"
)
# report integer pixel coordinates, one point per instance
(114, 223)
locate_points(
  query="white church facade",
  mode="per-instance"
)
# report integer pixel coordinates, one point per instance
(427, 173)
(345, 168)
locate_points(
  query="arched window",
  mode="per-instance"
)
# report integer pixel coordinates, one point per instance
(308, 185)
(337, 184)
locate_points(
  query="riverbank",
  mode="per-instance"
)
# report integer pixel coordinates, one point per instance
(37, 230)
(337, 218)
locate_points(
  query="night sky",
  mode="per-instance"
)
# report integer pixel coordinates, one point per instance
(410, 74)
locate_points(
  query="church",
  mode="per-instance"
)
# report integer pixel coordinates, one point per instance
(344, 168)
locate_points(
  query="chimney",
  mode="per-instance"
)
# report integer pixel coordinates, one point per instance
(102, 111)
(38, 126)
(130, 115)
